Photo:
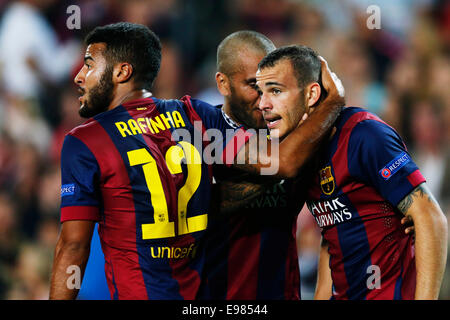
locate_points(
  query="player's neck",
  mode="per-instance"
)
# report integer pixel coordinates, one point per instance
(227, 109)
(127, 96)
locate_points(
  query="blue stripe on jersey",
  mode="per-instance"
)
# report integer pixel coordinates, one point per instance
(83, 194)
(398, 286)
(116, 292)
(346, 114)
(355, 249)
(141, 198)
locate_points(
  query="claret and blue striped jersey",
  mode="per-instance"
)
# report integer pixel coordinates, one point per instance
(251, 254)
(126, 168)
(364, 172)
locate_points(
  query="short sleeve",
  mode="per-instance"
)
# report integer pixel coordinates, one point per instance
(80, 195)
(378, 156)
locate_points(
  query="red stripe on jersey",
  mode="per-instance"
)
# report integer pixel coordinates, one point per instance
(195, 118)
(340, 158)
(292, 280)
(128, 278)
(386, 243)
(409, 272)
(416, 178)
(235, 144)
(80, 213)
(385, 237)
(242, 278)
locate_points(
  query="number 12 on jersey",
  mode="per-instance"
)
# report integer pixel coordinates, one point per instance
(162, 227)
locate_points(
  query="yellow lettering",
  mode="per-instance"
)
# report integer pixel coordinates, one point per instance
(149, 125)
(134, 127)
(122, 127)
(141, 125)
(153, 254)
(183, 252)
(165, 120)
(169, 117)
(178, 119)
(157, 124)
(175, 254)
(168, 252)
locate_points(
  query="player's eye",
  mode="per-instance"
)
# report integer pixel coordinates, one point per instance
(275, 91)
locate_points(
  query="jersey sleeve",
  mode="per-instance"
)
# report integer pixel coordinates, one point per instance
(80, 195)
(234, 137)
(378, 156)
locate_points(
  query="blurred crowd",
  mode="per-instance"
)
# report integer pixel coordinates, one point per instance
(400, 71)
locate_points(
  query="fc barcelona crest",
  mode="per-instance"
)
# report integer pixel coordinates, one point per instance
(326, 180)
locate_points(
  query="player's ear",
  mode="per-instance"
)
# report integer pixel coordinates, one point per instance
(312, 94)
(122, 72)
(223, 84)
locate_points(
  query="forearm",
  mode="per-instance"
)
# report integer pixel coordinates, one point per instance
(431, 253)
(238, 190)
(430, 241)
(324, 282)
(68, 268)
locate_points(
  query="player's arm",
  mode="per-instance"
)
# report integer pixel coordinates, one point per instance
(71, 256)
(297, 148)
(431, 231)
(324, 282)
(79, 212)
(235, 193)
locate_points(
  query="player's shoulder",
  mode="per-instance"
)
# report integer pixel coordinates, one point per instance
(356, 119)
(83, 129)
(368, 129)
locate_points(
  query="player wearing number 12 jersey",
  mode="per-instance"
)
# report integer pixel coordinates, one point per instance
(133, 167)
(125, 169)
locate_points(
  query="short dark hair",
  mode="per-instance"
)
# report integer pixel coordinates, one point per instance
(305, 62)
(226, 51)
(132, 43)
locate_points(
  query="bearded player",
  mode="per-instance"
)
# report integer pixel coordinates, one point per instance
(250, 253)
(129, 169)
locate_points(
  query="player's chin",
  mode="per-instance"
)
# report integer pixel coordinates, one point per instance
(84, 111)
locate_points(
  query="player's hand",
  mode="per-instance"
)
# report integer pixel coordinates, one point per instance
(408, 223)
(332, 84)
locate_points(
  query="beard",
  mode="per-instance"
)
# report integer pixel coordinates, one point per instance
(243, 111)
(99, 97)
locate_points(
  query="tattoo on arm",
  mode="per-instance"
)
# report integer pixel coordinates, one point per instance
(420, 191)
(234, 194)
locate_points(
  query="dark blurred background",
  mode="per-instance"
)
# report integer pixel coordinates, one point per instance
(400, 71)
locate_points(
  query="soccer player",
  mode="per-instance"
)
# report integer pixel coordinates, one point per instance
(364, 182)
(250, 253)
(132, 167)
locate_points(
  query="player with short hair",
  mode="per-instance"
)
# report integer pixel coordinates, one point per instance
(364, 182)
(130, 168)
(250, 254)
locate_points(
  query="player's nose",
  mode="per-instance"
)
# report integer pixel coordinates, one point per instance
(79, 78)
(264, 103)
